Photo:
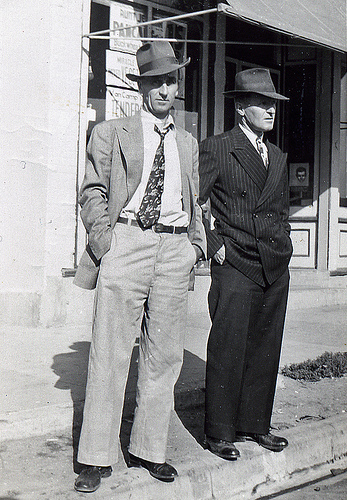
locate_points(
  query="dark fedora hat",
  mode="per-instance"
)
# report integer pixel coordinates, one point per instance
(156, 58)
(255, 81)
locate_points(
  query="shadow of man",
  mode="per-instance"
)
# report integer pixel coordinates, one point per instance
(190, 395)
(72, 369)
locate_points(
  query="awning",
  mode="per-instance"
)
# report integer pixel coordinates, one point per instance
(319, 21)
(322, 22)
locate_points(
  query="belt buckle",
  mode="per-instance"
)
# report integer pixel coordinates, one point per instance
(161, 228)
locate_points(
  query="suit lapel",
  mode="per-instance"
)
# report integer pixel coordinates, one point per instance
(130, 136)
(277, 162)
(131, 142)
(248, 157)
(185, 162)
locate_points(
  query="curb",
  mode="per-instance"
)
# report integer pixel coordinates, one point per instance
(313, 451)
(328, 297)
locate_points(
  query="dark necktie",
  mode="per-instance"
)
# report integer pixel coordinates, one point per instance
(262, 151)
(149, 210)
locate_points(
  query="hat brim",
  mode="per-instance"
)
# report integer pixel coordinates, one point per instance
(164, 70)
(273, 95)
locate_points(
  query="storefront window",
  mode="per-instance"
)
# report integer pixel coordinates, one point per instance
(300, 87)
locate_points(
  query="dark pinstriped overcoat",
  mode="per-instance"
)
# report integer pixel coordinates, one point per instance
(249, 203)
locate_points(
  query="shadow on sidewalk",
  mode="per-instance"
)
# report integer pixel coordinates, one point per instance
(72, 369)
(190, 395)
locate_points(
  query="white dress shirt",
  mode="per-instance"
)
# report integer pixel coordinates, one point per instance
(171, 211)
(253, 138)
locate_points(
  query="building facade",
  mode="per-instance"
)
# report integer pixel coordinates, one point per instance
(64, 69)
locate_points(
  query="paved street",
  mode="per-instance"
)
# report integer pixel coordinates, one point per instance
(333, 488)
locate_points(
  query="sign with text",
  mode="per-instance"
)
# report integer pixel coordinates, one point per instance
(118, 64)
(126, 17)
(122, 97)
(122, 102)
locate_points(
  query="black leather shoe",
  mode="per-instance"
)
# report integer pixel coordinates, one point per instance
(221, 448)
(162, 471)
(268, 441)
(90, 477)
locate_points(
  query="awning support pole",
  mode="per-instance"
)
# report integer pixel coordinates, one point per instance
(155, 21)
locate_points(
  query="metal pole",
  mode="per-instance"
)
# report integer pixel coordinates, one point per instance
(156, 21)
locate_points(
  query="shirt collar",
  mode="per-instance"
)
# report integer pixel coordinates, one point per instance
(251, 135)
(148, 118)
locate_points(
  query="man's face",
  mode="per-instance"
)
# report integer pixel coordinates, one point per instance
(257, 112)
(159, 93)
(301, 175)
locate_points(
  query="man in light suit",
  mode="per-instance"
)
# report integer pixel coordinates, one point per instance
(139, 207)
(245, 177)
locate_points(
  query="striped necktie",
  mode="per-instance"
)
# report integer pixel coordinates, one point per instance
(149, 210)
(262, 151)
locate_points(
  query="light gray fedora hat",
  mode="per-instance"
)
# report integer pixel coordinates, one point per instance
(156, 58)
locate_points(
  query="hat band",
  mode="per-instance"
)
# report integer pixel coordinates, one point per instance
(158, 63)
(255, 87)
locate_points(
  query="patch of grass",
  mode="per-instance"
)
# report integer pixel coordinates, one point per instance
(328, 365)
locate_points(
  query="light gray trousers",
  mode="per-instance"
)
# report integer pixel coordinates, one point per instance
(140, 266)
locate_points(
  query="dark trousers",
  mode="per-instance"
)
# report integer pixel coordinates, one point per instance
(243, 351)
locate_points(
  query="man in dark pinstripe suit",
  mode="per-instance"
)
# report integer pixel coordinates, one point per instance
(245, 177)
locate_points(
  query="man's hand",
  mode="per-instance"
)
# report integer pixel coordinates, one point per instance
(198, 251)
(219, 256)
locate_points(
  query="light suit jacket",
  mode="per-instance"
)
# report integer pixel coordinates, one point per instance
(114, 166)
(250, 205)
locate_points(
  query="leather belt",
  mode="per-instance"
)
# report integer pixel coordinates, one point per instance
(157, 228)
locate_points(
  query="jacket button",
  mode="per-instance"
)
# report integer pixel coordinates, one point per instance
(243, 194)
(255, 216)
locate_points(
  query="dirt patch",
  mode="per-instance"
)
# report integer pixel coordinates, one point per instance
(297, 402)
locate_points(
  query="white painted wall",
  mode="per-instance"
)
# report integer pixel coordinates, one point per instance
(40, 62)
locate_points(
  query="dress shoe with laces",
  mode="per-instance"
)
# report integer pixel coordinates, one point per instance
(90, 477)
(162, 471)
(268, 441)
(221, 448)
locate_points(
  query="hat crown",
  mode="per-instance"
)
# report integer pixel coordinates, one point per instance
(156, 58)
(153, 52)
(254, 80)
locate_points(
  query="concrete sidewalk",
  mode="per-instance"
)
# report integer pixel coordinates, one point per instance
(42, 381)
